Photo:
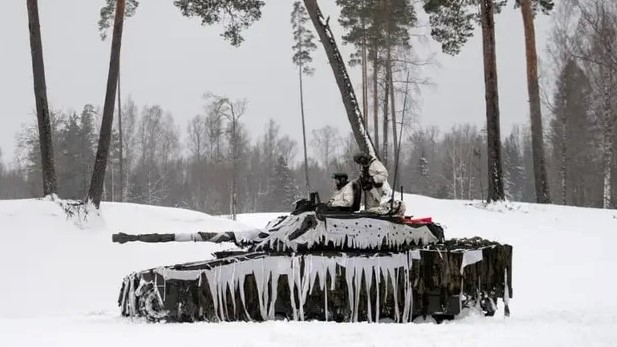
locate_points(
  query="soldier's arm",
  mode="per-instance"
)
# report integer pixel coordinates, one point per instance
(378, 172)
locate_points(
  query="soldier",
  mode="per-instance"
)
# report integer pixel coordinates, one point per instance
(374, 180)
(343, 197)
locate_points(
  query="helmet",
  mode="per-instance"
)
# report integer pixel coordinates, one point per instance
(361, 158)
(340, 176)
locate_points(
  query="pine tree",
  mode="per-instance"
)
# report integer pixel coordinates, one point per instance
(233, 14)
(363, 22)
(87, 145)
(570, 133)
(105, 20)
(513, 168)
(304, 45)
(452, 23)
(378, 29)
(533, 89)
(107, 14)
(284, 188)
(68, 158)
(529, 191)
(40, 96)
(102, 153)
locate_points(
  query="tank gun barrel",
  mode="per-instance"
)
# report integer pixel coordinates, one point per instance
(228, 236)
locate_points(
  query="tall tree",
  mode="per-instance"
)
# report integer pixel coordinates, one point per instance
(595, 44)
(399, 17)
(304, 45)
(495, 182)
(386, 99)
(570, 132)
(40, 96)
(363, 22)
(105, 20)
(233, 111)
(100, 163)
(356, 17)
(284, 191)
(235, 15)
(452, 24)
(533, 89)
(513, 166)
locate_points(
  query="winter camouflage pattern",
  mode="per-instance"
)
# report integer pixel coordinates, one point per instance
(320, 266)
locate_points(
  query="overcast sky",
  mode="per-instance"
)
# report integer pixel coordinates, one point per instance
(172, 61)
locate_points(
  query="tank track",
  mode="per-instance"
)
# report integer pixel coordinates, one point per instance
(437, 280)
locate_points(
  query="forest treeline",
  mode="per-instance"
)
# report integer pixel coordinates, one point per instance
(564, 154)
(191, 165)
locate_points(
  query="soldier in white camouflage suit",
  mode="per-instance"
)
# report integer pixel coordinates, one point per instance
(343, 196)
(373, 179)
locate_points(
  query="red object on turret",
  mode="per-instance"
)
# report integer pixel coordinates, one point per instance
(417, 220)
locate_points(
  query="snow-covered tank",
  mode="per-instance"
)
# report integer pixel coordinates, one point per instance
(324, 265)
(319, 264)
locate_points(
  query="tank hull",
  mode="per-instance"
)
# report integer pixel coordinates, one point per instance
(437, 280)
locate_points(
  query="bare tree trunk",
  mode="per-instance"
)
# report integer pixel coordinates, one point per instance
(564, 160)
(386, 97)
(608, 155)
(376, 100)
(607, 158)
(40, 96)
(539, 164)
(364, 80)
(495, 174)
(364, 70)
(306, 172)
(392, 106)
(102, 153)
(122, 190)
(389, 78)
(111, 173)
(454, 173)
(234, 169)
(354, 114)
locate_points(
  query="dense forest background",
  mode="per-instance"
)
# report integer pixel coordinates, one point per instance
(190, 165)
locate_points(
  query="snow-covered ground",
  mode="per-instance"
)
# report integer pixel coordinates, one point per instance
(60, 281)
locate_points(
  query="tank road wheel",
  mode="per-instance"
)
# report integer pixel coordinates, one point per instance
(150, 304)
(488, 305)
(483, 305)
(426, 319)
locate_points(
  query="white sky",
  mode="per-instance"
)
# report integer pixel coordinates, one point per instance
(172, 61)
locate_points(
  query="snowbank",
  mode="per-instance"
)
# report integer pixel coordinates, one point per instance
(53, 266)
(61, 281)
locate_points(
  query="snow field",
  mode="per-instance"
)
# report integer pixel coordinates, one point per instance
(60, 282)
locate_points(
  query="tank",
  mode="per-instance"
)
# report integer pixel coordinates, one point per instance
(320, 264)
